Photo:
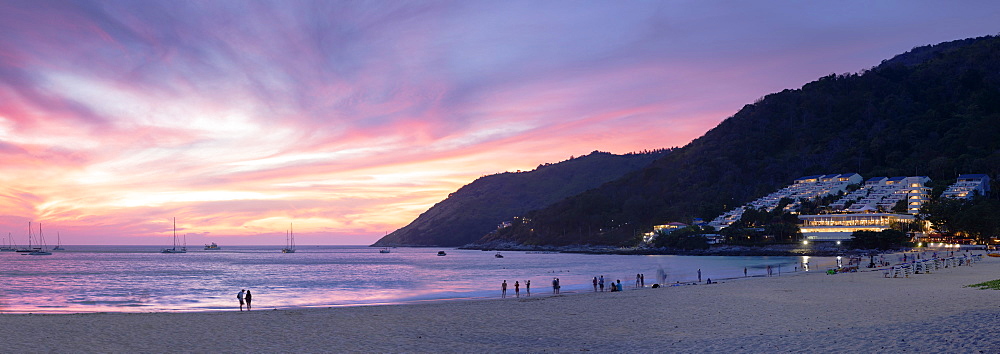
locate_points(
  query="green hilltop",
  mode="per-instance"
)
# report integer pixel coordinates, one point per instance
(479, 207)
(933, 111)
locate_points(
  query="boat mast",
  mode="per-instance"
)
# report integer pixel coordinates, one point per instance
(29, 235)
(175, 233)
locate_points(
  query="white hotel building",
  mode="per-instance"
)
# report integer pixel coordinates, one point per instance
(803, 188)
(867, 208)
(967, 186)
(839, 227)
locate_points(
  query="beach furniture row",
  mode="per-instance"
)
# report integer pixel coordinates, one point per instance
(927, 266)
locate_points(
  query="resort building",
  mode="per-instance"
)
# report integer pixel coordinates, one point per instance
(967, 186)
(802, 189)
(881, 194)
(839, 227)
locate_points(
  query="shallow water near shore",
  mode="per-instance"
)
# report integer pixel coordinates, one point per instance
(140, 279)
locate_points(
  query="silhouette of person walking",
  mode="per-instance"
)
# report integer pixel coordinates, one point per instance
(503, 289)
(248, 299)
(527, 286)
(517, 289)
(240, 297)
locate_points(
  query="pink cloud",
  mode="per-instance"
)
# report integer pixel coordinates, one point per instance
(350, 119)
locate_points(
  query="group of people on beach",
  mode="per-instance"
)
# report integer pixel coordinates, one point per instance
(517, 288)
(244, 295)
(615, 285)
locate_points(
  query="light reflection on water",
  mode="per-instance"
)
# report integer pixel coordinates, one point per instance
(140, 279)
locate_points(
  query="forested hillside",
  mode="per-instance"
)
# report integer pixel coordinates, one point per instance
(480, 206)
(933, 111)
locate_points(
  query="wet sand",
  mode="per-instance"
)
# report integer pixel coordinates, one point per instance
(808, 312)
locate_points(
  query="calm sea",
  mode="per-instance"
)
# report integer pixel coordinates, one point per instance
(140, 279)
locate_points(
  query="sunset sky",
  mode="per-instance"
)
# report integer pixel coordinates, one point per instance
(351, 118)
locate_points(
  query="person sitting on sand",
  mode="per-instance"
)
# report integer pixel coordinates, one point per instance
(240, 297)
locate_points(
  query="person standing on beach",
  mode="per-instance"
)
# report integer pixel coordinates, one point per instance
(744, 271)
(642, 280)
(240, 297)
(527, 286)
(517, 289)
(595, 284)
(699, 275)
(636, 280)
(503, 289)
(248, 299)
(601, 283)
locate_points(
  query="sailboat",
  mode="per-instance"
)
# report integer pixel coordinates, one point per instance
(38, 251)
(289, 241)
(58, 246)
(174, 249)
(8, 244)
(29, 248)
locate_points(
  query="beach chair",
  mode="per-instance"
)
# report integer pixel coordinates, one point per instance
(897, 272)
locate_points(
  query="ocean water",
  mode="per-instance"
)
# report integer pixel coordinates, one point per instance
(140, 279)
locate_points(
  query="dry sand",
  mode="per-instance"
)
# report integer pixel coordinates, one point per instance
(807, 312)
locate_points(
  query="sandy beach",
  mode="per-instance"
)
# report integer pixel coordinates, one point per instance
(805, 312)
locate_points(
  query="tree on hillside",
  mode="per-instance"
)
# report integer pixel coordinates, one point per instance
(759, 226)
(978, 217)
(687, 238)
(881, 240)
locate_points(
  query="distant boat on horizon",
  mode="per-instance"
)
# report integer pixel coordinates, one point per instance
(442, 253)
(212, 247)
(384, 250)
(58, 246)
(183, 249)
(8, 244)
(289, 240)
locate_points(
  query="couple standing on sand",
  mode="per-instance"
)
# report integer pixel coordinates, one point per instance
(243, 297)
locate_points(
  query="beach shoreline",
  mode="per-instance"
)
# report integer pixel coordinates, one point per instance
(803, 312)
